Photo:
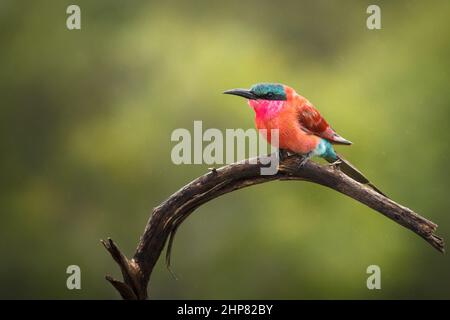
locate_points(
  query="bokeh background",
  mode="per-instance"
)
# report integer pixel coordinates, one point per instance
(86, 118)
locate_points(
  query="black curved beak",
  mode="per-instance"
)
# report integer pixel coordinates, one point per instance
(242, 93)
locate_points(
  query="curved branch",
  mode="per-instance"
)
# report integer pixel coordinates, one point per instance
(167, 217)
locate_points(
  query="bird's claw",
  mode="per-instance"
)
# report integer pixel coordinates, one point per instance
(303, 162)
(335, 164)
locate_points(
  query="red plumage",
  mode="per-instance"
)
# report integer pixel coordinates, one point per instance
(310, 119)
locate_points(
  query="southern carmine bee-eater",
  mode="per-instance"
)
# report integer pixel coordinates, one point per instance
(301, 127)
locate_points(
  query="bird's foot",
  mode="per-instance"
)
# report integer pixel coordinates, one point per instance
(336, 164)
(305, 159)
(282, 154)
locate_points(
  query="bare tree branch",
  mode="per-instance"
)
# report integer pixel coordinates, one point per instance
(168, 216)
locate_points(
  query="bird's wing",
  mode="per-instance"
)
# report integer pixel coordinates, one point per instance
(311, 121)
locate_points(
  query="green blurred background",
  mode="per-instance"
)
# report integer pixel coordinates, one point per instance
(86, 118)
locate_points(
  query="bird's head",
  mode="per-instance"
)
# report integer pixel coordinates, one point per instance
(261, 91)
(267, 99)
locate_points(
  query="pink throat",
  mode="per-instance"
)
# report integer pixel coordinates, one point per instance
(266, 109)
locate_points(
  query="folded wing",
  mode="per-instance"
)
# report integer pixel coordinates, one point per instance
(312, 122)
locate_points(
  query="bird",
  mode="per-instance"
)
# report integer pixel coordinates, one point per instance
(301, 128)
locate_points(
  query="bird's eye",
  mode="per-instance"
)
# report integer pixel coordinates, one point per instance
(269, 95)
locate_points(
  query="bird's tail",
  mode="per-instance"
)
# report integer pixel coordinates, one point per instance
(351, 171)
